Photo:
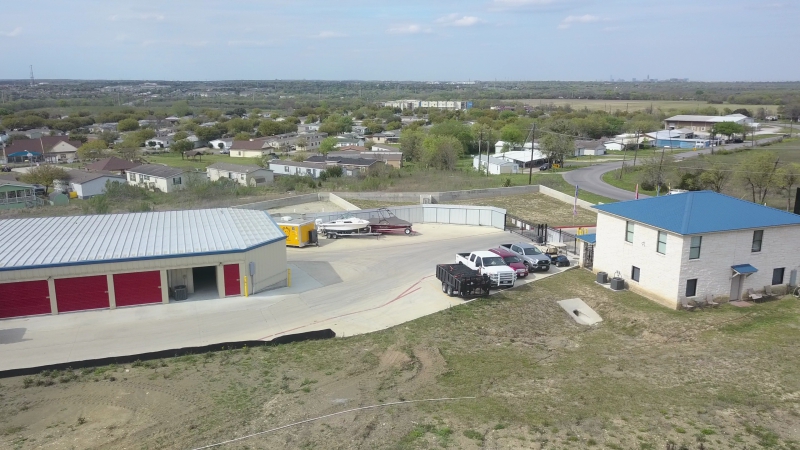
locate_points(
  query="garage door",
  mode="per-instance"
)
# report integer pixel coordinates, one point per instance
(24, 299)
(138, 288)
(231, 272)
(78, 294)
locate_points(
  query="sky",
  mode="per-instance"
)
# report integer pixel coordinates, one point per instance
(419, 40)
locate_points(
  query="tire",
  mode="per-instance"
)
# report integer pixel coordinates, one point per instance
(528, 266)
(407, 231)
(444, 287)
(449, 291)
(335, 236)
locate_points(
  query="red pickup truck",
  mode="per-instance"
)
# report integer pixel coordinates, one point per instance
(512, 260)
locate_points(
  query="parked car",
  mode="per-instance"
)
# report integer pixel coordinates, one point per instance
(545, 166)
(488, 263)
(224, 152)
(559, 260)
(512, 260)
(531, 256)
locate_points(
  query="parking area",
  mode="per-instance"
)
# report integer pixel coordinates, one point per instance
(352, 286)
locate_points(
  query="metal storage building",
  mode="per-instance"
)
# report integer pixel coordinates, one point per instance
(53, 265)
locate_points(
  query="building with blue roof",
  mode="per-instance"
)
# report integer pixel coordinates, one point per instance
(697, 246)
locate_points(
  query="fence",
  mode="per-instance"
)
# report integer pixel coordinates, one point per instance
(541, 233)
(488, 216)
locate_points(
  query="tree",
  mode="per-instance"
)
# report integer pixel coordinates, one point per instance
(557, 147)
(743, 112)
(411, 144)
(46, 175)
(327, 145)
(790, 110)
(786, 177)
(109, 136)
(715, 177)
(127, 125)
(441, 152)
(369, 143)
(727, 129)
(92, 149)
(209, 133)
(144, 134)
(180, 135)
(757, 173)
(456, 129)
(242, 136)
(335, 124)
(301, 143)
(512, 134)
(181, 108)
(181, 146)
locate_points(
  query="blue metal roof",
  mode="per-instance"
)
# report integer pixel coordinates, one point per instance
(744, 269)
(699, 212)
(25, 153)
(590, 238)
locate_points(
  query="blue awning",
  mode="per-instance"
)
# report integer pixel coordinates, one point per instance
(590, 238)
(744, 269)
(23, 154)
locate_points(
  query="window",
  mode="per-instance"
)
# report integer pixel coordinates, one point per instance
(176, 181)
(661, 247)
(628, 231)
(635, 273)
(132, 177)
(691, 287)
(285, 168)
(694, 247)
(777, 276)
(758, 236)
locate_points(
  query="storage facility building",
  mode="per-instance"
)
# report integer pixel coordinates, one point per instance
(58, 264)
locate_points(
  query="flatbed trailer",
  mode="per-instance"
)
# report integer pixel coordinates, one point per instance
(458, 279)
(344, 234)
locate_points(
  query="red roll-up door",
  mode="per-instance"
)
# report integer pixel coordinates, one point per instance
(232, 286)
(25, 298)
(78, 294)
(138, 288)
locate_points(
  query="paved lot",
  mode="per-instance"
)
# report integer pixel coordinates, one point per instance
(349, 285)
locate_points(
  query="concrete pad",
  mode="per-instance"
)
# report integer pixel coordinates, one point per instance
(580, 311)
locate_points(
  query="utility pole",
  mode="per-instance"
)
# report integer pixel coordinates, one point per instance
(487, 151)
(530, 163)
(635, 152)
(480, 138)
(32, 80)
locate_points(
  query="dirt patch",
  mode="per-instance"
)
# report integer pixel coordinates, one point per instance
(538, 208)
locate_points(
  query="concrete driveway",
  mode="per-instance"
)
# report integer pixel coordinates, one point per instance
(349, 285)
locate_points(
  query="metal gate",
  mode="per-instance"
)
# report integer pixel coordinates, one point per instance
(82, 293)
(588, 255)
(232, 284)
(137, 288)
(26, 298)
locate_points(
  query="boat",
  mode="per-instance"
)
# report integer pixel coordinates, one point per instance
(387, 222)
(344, 225)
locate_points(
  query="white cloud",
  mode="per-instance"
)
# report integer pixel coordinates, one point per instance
(457, 20)
(408, 29)
(329, 35)
(124, 17)
(569, 20)
(13, 33)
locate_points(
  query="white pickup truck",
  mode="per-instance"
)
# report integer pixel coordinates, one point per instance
(490, 264)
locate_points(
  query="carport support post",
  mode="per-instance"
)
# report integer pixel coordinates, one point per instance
(220, 280)
(51, 290)
(164, 286)
(112, 297)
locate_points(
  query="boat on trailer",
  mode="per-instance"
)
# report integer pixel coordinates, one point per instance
(347, 225)
(387, 222)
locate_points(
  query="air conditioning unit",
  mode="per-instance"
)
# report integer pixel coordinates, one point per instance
(617, 284)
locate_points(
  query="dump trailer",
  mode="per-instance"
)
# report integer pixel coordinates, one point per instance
(458, 279)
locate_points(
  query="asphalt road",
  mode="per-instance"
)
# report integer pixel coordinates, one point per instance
(591, 178)
(352, 286)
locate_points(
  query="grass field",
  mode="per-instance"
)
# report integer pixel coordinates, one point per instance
(175, 160)
(644, 377)
(637, 105)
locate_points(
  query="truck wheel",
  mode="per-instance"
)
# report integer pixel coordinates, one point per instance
(449, 291)
(444, 287)
(407, 231)
(485, 292)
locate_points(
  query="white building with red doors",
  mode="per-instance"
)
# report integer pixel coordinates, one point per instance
(53, 265)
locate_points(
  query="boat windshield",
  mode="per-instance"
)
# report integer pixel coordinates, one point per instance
(493, 261)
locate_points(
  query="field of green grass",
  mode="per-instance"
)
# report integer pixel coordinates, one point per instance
(200, 162)
(643, 378)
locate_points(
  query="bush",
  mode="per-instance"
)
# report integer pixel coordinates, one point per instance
(335, 171)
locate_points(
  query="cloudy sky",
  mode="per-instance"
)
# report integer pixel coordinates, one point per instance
(706, 40)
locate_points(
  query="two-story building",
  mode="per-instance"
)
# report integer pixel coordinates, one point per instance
(163, 178)
(696, 245)
(246, 175)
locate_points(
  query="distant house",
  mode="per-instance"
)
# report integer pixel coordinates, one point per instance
(248, 149)
(37, 133)
(387, 137)
(56, 149)
(394, 159)
(163, 178)
(246, 175)
(360, 129)
(697, 245)
(308, 127)
(679, 138)
(221, 144)
(348, 141)
(350, 166)
(88, 184)
(524, 158)
(385, 148)
(14, 194)
(589, 148)
(703, 123)
(305, 168)
(161, 143)
(112, 164)
(504, 147)
(496, 166)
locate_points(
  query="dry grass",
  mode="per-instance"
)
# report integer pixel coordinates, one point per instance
(638, 105)
(646, 375)
(538, 208)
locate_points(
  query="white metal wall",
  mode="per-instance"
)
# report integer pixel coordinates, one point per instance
(434, 213)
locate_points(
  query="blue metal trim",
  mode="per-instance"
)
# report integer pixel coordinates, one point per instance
(744, 269)
(146, 258)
